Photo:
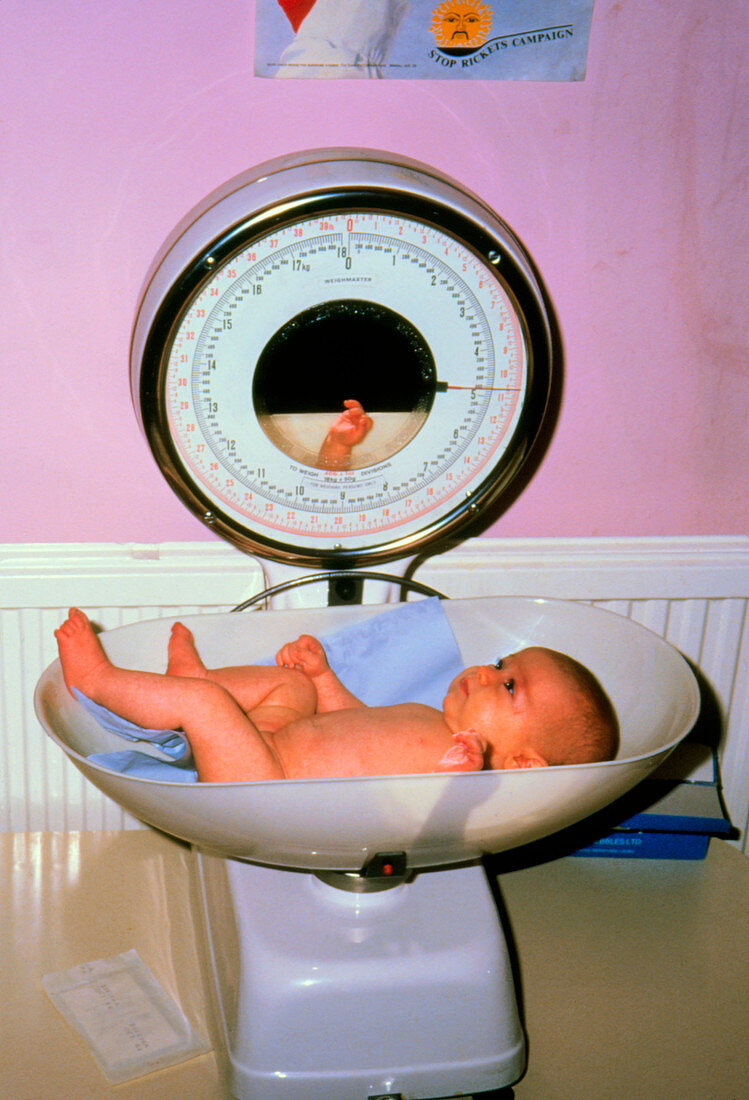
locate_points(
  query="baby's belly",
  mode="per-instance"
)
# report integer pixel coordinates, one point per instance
(363, 742)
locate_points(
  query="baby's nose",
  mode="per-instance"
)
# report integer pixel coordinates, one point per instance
(487, 675)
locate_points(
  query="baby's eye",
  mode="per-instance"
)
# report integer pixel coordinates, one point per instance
(510, 685)
(498, 662)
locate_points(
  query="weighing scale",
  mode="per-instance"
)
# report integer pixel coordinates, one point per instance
(353, 939)
(326, 277)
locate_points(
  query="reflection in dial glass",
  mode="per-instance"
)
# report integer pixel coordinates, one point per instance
(344, 384)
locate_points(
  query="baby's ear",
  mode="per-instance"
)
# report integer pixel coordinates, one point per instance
(525, 758)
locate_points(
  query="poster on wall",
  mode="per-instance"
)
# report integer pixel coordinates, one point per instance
(423, 39)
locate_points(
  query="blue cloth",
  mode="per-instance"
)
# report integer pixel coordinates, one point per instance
(408, 654)
(170, 742)
(140, 764)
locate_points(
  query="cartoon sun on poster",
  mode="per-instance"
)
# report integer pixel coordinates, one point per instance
(461, 27)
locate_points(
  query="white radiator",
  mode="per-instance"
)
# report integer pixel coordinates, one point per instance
(694, 592)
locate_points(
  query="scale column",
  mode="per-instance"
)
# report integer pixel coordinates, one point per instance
(326, 992)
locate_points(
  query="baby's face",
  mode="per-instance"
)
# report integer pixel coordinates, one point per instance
(508, 702)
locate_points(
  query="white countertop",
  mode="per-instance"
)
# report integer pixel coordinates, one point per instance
(634, 974)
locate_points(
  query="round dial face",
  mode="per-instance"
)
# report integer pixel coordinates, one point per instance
(346, 383)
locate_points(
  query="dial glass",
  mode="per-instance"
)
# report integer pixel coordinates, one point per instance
(346, 380)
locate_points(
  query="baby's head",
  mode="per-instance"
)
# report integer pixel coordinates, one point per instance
(534, 708)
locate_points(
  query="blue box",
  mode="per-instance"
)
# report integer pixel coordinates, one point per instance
(672, 815)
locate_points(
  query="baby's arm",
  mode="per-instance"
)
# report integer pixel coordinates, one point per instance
(307, 655)
(348, 429)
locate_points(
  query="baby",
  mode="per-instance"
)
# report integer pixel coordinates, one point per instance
(297, 720)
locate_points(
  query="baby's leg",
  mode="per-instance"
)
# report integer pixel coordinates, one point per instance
(271, 696)
(226, 745)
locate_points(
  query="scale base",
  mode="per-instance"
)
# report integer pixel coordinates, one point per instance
(323, 992)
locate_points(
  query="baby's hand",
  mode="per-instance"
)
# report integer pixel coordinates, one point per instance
(306, 655)
(351, 425)
(466, 755)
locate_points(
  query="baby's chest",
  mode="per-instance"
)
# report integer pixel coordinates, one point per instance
(370, 741)
(386, 725)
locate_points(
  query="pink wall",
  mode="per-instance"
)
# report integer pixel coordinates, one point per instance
(627, 189)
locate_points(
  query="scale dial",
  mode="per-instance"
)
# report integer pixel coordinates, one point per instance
(341, 358)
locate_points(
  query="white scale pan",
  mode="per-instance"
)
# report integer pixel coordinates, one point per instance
(436, 819)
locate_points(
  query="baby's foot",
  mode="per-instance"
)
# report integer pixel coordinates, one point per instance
(183, 656)
(466, 755)
(306, 655)
(81, 655)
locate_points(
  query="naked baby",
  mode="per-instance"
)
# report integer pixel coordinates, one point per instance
(297, 720)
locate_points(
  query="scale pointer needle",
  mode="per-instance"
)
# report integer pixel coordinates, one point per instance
(443, 387)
